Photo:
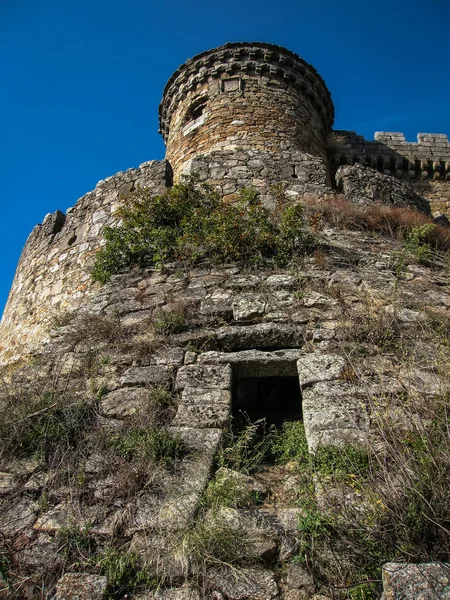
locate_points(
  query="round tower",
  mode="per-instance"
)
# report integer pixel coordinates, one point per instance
(244, 95)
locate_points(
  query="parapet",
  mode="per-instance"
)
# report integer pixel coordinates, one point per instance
(391, 154)
(247, 95)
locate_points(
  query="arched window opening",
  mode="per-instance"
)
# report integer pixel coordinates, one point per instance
(195, 110)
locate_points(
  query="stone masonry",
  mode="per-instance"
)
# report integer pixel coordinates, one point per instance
(245, 114)
(252, 96)
(242, 115)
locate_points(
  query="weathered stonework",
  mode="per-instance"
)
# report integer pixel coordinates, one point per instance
(390, 153)
(252, 96)
(363, 185)
(298, 173)
(237, 116)
(244, 114)
(301, 315)
(53, 274)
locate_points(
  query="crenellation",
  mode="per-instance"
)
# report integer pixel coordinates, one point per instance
(391, 154)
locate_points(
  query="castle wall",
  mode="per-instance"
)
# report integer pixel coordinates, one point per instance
(229, 171)
(53, 274)
(425, 163)
(250, 96)
(428, 158)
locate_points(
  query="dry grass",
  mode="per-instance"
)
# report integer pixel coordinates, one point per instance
(395, 222)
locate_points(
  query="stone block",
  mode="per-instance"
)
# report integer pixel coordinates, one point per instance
(248, 308)
(153, 374)
(81, 586)
(316, 367)
(363, 185)
(335, 413)
(208, 377)
(261, 335)
(124, 402)
(244, 583)
(427, 581)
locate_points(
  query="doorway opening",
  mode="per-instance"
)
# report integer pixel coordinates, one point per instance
(275, 399)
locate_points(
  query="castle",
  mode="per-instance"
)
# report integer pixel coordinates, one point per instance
(243, 114)
(347, 346)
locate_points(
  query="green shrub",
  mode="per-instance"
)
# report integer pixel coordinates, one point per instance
(5, 574)
(171, 321)
(159, 410)
(213, 542)
(341, 462)
(419, 241)
(143, 444)
(226, 489)
(75, 542)
(289, 443)
(189, 223)
(124, 573)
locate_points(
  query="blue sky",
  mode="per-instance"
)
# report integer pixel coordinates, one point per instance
(81, 82)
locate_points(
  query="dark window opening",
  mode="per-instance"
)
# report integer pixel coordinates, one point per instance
(294, 174)
(380, 164)
(275, 399)
(195, 110)
(417, 167)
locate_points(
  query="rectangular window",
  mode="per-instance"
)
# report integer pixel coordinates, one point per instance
(231, 85)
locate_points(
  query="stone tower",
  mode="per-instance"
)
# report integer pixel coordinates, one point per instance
(250, 96)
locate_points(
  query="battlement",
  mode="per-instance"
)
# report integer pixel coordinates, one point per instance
(391, 154)
(256, 58)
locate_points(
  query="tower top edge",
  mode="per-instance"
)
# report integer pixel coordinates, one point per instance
(231, 52)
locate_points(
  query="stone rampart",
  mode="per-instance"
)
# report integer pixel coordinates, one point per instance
(391, 154)
(363, 185)
(53, 274)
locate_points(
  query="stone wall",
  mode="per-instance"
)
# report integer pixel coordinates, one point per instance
(297, 322)
(53, 274)
(425, 163)
(390, 153)
(363, 185)
(299, 173)
(244, 95)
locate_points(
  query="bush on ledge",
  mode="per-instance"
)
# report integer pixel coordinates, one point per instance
(190, 223)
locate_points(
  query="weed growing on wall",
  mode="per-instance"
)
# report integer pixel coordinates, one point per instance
(417, 232)
(189, 223)
(246, 450)
(44, 424)
(140, 444)
(124, 572)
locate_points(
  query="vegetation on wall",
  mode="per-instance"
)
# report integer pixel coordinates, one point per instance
(190, 223)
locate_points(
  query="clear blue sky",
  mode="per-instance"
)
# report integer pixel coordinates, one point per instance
(81, 81)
